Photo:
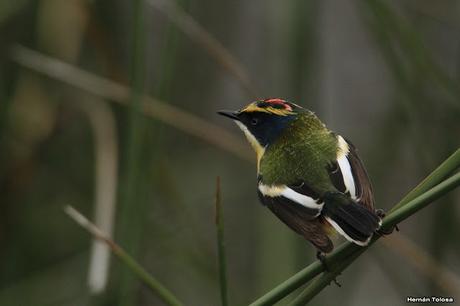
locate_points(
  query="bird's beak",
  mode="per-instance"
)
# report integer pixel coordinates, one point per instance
(229, 114)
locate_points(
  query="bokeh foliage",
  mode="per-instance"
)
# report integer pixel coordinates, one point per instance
(383, 73)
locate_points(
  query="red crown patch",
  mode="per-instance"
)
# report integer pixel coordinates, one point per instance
(276, 103)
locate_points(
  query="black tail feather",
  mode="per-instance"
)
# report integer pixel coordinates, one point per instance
(352, 220)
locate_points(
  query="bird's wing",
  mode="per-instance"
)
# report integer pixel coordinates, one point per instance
(298, 207)
(349, 176)
(298, 196)
(300, 220)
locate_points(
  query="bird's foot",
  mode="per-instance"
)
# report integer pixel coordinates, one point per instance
(322, 258)
(381, 214)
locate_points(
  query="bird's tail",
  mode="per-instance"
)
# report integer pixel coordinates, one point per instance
(352, 220)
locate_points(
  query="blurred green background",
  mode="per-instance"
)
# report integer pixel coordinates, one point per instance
(110, 106)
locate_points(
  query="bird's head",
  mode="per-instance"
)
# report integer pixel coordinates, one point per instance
(263, 121)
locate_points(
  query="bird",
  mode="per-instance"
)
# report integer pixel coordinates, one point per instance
(311, 178)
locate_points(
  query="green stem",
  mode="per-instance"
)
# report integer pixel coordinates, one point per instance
(323, 281)
(221, 246)
(347, 250)
(421, 201)
(132, 207)
(152, 283)
(451, 164)
(130, 263)
(302, 277)
(391, 220)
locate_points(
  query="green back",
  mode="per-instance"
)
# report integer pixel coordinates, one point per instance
(301, 153)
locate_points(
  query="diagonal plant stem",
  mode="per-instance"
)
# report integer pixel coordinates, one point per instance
(152, 283)
(391, 220)
(116, 92)
(324, 280)
(302, 277)
(347, 250)
(200, 35)
(411, 43)
(421, 201)
(443, 171)
(221, 245)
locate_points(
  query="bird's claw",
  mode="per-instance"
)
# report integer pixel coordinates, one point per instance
(381, 214)
(322, 258)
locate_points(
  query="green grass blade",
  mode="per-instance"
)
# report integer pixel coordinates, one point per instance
(132, 207)
(302, 277)
(451, 164)
(130, 263)
(421, 201)
(323, 281)
(221, 245)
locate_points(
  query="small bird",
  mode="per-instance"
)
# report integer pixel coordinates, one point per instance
(311, 178)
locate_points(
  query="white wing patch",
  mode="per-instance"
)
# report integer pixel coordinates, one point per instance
(342, 232)
(284, 191)
(345, 167)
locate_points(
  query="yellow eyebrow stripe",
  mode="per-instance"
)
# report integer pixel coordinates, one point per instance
(269, 110)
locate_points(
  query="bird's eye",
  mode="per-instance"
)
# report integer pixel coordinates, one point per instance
(254, 121)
